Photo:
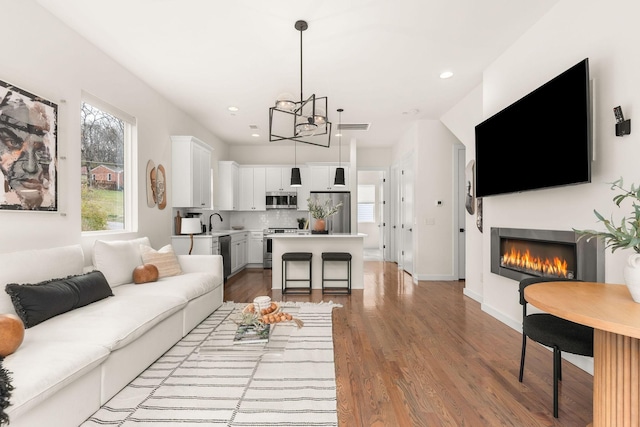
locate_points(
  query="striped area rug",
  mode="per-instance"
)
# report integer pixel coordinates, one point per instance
(207, 380)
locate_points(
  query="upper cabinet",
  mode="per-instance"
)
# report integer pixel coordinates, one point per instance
(278, 178)
(252, 189)
(304, 190)
(191, 178)
(228, 186)
(322, 178)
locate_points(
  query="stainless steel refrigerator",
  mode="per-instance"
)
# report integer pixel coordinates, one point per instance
(341, 221)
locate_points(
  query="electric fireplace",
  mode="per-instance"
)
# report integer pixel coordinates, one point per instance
(521, 253)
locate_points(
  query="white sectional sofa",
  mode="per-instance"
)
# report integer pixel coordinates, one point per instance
(71, 364)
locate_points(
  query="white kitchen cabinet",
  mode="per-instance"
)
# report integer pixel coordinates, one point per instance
(239, 246)
(255, 247)
(252, 189)
(202, 245)
(191, 177)
(278, 178)
(305, 190)
(228, 186)
(322, 178)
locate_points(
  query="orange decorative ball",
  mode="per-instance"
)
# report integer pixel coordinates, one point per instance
(11, 333)
(145, 273)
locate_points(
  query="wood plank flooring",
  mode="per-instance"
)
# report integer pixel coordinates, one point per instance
(426, 355)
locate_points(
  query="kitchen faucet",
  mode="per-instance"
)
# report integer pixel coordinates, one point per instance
(221, 220)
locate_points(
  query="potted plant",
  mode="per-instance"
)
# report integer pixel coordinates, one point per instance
(301, 223)
(624, 235)
(321, 211)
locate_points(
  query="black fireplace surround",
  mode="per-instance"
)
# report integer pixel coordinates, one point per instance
(583, 260)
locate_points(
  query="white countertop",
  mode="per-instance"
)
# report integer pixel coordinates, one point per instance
(215, 233)
(315, 236)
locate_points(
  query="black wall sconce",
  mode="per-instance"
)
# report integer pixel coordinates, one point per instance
(623, 127)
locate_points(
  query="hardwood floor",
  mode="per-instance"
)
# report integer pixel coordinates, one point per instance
(426, 355)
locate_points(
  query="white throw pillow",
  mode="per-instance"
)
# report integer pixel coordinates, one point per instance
(164, 259)
(118, 258)
(37, 265)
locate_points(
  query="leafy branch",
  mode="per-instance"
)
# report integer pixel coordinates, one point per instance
(626, 235)
(322, 211)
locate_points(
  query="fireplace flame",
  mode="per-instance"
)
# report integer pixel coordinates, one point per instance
(525, 261)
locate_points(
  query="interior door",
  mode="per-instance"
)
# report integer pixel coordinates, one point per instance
(461, 211)
(407, 215)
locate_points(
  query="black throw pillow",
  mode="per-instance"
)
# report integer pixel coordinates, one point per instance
(38, 302)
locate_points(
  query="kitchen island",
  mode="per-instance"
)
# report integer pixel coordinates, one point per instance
(317, 244)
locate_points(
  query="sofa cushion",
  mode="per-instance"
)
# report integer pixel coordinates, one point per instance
(33, 266)
(113, 322)
(38, 302)
(41, 368)
(164, 259)
(117, 258)
(187, 287)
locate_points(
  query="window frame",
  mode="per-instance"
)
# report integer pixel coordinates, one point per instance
(130, 167)
(364, 201)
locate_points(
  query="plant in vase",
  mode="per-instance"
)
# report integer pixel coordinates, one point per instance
(321, 211)
(302, 222)
(625, 235)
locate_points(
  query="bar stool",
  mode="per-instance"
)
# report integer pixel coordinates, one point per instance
(339, 257)
(295, 257)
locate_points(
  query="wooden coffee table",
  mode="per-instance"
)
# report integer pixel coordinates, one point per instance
(615, 317)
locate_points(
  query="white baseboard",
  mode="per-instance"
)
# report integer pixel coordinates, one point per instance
(434, 277)
(473, 295)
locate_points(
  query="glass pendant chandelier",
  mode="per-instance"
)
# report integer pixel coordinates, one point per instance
(303, 121)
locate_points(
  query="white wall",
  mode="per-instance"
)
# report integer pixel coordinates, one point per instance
(461, 120)
(374, 157)
(284, 154)
(606, 33)
(46, 58)
(429, 143)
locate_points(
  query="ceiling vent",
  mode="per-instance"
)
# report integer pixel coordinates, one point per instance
(354, 126)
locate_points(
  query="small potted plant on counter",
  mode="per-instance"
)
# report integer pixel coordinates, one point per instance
(302, 222)
(320, 212)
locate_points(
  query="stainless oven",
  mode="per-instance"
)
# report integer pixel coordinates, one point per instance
(281, 200)
(267, 244)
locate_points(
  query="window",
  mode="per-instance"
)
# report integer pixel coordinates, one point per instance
(107, 147)
(366, 203)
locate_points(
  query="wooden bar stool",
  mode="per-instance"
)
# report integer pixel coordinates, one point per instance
(295, 257)
(337, 257)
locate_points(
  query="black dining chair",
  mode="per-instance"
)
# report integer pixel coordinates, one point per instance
(552, 331)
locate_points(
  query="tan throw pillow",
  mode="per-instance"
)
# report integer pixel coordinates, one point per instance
(164, 259)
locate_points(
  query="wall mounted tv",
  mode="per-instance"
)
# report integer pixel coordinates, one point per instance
(540, 141)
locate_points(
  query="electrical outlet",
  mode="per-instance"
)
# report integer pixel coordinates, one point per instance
(430, 221)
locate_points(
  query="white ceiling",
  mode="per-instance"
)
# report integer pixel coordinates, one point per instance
(379, 60)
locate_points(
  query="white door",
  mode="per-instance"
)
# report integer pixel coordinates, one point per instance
(395, 241)
(407, 215)
(462, 193)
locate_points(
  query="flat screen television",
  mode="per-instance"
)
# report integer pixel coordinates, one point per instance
(542, 140)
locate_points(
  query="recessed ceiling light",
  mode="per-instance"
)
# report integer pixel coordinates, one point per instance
(233, 109)
(338, 134)
(255, 135)
(446, 74)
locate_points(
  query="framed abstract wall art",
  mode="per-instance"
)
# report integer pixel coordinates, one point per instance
(28, 151)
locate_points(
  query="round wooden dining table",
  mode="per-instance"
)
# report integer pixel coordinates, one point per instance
(615, 317)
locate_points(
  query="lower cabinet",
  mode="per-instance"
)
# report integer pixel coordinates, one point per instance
(255, 247)
(202, 245)
(239, 247)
